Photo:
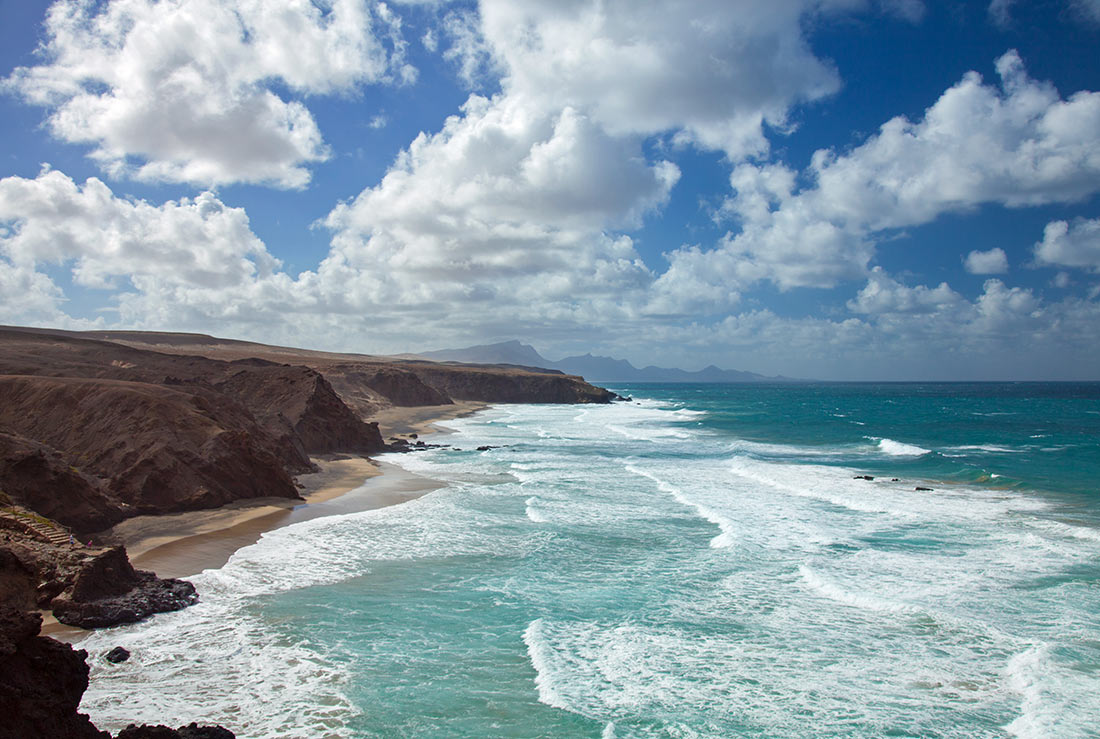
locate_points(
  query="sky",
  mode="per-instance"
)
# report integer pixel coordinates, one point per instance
(832, 189)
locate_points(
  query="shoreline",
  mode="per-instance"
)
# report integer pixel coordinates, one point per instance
(184, 544)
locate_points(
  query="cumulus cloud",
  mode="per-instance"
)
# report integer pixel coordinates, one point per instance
(182, 91)
(883, 294)
(1071, 245)
(712, 72)
(116, 244)
(992, 262)
(1017, 145)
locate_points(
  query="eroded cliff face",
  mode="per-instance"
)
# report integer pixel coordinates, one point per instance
(93, 432)
(43, 681)
(152, 448)
(495, 385)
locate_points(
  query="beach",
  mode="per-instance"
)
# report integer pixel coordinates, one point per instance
(184, 544)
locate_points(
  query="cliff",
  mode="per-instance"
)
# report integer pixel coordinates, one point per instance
(93, 432)
(43, 682)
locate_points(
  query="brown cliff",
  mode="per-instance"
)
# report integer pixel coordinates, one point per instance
(43, 682)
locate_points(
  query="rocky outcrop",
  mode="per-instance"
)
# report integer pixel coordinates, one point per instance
(83, 587)
(307, 402)
(106, 591)
(43, 681)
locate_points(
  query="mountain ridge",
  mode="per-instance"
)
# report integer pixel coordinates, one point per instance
(593, 368)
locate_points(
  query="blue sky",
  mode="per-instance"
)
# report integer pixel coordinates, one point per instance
(842, 189)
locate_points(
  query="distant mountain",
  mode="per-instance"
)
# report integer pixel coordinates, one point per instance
(592, 368)
(506, 352)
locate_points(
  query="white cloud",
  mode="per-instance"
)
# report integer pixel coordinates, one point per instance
(180, 91)
(1000, 12)
(468, 49)
(503, 203)
(1088, 10)
(883, 294)
(713, 72)
(1018, 146)
(109, 241)
(1071, 245)
(992, 262)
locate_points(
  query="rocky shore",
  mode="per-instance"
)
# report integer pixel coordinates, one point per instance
(98, 428)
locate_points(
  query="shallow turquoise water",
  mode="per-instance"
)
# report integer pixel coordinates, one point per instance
(698, 563)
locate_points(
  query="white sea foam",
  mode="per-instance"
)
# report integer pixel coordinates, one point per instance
(534, 513)
(831, 590)
(725, 539)
(987, 448)
(542, 659)
(900, 449)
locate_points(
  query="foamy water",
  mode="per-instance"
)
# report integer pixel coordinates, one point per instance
(637, 570)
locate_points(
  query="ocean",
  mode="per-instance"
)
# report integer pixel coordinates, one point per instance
(702, 561)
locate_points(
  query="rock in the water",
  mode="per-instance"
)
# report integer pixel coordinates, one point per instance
(863, 477)
(118, 654)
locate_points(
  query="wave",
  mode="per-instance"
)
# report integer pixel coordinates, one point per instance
(834, 592)
(900, 449)
(986, 448)
(541, 656)
(532, 512)
(725, 539)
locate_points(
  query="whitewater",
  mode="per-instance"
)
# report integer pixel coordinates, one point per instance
(701, 561)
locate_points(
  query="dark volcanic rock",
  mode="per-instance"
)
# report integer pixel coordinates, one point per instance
(157, 449)
(109, 591)
(43, 681)
(84, 587)
(116, 655)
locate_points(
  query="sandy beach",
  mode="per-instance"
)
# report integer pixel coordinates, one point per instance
(185, 544)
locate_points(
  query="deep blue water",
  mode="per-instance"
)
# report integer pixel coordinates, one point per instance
(705, 561)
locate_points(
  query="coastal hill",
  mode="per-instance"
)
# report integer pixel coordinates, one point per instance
(594, 368)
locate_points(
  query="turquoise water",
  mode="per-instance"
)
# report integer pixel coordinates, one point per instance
(699, 562)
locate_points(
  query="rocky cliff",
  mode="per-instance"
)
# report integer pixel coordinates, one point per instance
(93, 432)
(43, 682)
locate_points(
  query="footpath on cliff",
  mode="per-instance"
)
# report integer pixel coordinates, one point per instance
(171, 442)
